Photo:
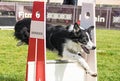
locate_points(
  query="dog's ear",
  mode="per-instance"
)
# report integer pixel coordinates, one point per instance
(90, 28)
(76, 27)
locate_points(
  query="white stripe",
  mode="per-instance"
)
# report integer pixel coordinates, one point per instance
(37, 29)
(31, 71)
(36, 51)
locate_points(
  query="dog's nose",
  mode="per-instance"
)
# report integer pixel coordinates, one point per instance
(94, 47)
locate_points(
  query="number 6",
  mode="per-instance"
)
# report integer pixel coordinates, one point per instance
(37, 14)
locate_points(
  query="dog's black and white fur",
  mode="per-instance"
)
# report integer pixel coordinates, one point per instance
(70, 41)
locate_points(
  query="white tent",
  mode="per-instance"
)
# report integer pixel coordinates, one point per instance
(108, 2)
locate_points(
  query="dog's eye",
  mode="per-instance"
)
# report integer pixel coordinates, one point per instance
(84, 41)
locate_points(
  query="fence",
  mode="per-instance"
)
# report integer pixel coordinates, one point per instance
(10, 12)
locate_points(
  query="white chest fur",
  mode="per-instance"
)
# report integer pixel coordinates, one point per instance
(71, 50)
(73, 47)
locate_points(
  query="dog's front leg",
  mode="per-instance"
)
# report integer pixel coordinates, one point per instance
(80, 60)
(85, 65)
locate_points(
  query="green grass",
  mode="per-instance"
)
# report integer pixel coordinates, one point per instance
(13, 58)
(108, 55)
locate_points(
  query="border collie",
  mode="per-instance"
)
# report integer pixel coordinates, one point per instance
(70, 42)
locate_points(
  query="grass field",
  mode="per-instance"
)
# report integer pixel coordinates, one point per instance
(13, 58)
(108, 55)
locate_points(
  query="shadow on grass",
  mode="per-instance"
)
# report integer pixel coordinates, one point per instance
(10, 78)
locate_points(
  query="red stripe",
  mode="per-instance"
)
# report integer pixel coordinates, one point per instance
(40, 71)
(31, 49)
(38, 6)
(40, 67)
(41, 51)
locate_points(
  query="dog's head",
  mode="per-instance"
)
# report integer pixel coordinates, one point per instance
(82, 36)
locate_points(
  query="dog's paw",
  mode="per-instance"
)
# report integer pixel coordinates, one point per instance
(94, 75)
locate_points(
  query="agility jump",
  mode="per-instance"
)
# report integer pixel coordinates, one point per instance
(37, 69)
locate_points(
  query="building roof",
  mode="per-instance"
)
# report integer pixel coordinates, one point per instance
(105, 2)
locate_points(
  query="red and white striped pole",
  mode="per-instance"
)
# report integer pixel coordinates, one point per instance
(37, 47)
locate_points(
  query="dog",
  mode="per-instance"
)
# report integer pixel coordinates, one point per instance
(70, 42)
